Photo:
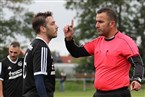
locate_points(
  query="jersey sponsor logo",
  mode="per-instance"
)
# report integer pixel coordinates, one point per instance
(15, 74)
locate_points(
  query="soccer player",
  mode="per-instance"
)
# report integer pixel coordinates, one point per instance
(11, 73)
(114, 53)
(39, 71)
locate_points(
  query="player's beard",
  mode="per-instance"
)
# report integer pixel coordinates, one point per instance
(51, 33)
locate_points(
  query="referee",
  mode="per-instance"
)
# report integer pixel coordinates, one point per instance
(114, 53)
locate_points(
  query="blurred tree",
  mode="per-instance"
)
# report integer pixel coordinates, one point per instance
(131, 20)
(15, 21)
(85, 65)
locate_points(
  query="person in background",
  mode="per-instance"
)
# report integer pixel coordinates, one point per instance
(39, 71)
(114, 53)
(62, 80)
(11, 72)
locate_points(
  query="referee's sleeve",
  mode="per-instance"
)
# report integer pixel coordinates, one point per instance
(75, 50)
(137, 63)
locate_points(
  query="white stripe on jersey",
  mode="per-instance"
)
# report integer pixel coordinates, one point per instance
(1, 79)
(44, 52)
(1, 71)
(0, 68)
(38, 73)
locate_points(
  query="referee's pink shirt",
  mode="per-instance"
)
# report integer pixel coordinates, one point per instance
(110, 61)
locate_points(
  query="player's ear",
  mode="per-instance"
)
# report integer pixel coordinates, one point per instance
(42, 29)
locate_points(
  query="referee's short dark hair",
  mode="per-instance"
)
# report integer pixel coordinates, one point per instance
(15, 44)
(110, 12)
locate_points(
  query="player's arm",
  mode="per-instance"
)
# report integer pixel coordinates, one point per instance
(75, 51)
(22, 52)
(39, 82)
(1, 89)
(137, 63)
(40, 55)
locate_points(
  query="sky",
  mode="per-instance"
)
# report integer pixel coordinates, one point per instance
(62, 17)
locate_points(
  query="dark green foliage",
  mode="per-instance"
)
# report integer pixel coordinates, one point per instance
(15, 20)
(85, 66)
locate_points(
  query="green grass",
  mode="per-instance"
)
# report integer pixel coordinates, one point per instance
(74, 94)
(75, 89)
(90, 93)
(140, 93)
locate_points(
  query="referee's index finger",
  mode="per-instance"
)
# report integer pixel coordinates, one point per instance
(72, 23)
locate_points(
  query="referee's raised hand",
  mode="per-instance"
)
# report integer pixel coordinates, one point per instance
(69, 31)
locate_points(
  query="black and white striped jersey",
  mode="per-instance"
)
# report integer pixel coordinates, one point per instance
(38, 60)
(11, 77)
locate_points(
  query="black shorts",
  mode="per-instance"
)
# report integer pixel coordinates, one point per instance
(122, 92)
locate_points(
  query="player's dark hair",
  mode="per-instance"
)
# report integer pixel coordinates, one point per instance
(15, 44)
(110, 12)
(40, 20)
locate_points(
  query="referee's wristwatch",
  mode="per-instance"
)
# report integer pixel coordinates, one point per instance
(138, 79)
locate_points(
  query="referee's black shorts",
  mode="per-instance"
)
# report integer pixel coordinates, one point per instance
(122, 92)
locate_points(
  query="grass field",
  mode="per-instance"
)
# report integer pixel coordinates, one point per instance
(74, 94)
(140, 93)
(74, 89)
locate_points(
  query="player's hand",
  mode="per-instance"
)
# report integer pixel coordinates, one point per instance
(69, 31)
(22, 52)
(135, 86)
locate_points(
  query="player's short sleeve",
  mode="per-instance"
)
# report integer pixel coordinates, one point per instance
(40, 60)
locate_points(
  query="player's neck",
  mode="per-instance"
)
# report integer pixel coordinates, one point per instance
(44, 37)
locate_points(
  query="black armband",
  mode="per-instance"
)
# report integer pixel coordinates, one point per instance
(137, 63)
